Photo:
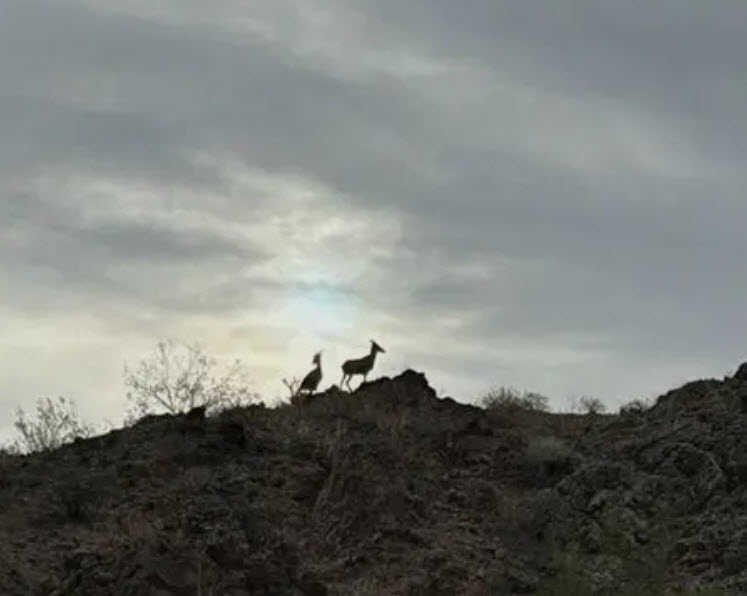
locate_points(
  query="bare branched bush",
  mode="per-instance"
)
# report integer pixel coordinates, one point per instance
(292, 385)
(508, 398)
(57, 422)
(181, 376)
(588, 405)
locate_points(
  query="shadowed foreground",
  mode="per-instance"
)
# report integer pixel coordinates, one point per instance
(389, 490)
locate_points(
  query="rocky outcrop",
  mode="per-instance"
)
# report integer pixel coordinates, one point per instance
(388, 490)
(741, 374)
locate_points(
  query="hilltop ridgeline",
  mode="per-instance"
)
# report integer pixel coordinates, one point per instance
(389, 490)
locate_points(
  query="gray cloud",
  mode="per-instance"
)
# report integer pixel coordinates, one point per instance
(61, 245)
(539, 187)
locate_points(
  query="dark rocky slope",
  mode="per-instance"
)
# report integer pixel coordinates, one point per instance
(390, 490)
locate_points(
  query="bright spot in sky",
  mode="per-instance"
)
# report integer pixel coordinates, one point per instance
(320, 310)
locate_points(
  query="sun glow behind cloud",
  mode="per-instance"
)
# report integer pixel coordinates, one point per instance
(319, 311)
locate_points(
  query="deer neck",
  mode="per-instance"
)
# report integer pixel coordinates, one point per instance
(372, 356)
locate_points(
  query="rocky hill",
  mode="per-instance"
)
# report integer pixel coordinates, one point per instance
(391, 491)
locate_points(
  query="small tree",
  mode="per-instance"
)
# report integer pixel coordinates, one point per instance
(588, 405)
(57, 422)
(508, 398)
(181, 376)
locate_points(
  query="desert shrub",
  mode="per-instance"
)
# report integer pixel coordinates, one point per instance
(57, 422)
(588, 405)
(635, 407)
(180, 376)
(508, 398)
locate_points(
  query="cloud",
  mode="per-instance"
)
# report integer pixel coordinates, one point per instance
(549, 193)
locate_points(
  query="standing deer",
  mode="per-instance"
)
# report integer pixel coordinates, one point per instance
(360, 366)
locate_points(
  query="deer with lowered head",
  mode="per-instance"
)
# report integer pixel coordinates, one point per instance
(360, 366)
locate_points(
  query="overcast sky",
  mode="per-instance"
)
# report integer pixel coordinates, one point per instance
(549, 194)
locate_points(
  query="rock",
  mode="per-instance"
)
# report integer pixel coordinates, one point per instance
(590, 537)
(312, 587)
(391, 490)
(520, 579)
(233, 434)
(196, 414)
(605, 574)
(741, 373)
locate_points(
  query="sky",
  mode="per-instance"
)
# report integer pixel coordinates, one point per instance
(548, 195)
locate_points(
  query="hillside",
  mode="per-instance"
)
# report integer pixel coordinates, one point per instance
(389, 490)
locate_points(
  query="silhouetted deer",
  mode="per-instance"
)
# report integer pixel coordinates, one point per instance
(311, 380)
(360, 366)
